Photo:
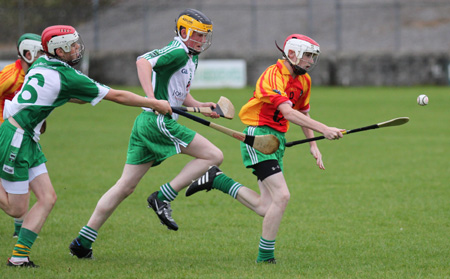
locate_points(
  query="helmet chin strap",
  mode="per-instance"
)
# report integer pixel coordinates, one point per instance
(72, 62)
(193, 52)
(299, 71)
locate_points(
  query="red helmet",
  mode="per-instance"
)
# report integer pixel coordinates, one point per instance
(62, 36)
(302, 38)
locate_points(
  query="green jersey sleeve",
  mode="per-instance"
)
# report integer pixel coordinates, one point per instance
(79, 86)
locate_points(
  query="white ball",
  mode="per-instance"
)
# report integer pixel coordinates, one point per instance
(422, 100)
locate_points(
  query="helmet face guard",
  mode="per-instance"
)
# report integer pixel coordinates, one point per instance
(66, 38)
(195, 21)
(32, 43)
(306, 50)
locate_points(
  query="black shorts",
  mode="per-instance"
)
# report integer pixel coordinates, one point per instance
(266, 168)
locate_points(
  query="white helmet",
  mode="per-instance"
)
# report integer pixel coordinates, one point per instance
(29, 42)
(301, 44)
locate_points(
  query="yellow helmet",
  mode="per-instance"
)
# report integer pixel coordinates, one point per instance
(195, 21)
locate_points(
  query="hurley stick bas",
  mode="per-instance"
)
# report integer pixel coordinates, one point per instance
(266, 144)
(393, 122)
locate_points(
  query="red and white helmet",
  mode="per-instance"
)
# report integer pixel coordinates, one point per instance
(64, 37)
(301, 44)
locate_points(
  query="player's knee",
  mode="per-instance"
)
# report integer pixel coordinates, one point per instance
(49, 199)
(53, 198)
(282, 199)
(285, 198)
(219, 158)
(17, 211)
(262, 209)
(126, 191)
(216, 156)
(125, 186)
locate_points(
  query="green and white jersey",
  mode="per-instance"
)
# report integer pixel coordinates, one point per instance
(173, 72)
(50, 83)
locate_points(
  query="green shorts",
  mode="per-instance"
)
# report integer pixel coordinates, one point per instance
(156, 138)
(18, 153)
(251, 156)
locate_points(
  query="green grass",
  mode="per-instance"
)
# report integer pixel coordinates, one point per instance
(380, 209)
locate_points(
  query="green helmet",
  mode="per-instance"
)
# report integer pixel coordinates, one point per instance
(29, 42)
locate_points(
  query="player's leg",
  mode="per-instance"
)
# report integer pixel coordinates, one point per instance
(279, 192)
(15, 205)
(35, 218)
(18, 204)
(45, 200)
(125, 186)
(215, 179)
(259, 203)
(18, 222)
(276, 185)
(263, 166)
(270, 204)
(205, 154)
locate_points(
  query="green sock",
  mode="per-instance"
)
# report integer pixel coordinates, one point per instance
(17, 225)
(87, 236)
(266, 250)
(167, 193)
(26, 239)
(226, 185)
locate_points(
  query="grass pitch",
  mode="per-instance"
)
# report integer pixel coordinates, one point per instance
(380, 209)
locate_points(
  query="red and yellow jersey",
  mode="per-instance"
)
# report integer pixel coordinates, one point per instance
(11, 80)
(274, 87)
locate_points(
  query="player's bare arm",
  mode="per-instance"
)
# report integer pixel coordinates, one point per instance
(144, 69)
(313, 148)
(130, 99)
(300, 119)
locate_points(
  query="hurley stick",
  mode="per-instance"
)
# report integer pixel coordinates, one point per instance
(393, 122)
(224, 108)
(266, 144)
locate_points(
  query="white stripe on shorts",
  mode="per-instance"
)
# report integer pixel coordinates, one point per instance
(251, 151)
(17, 139)
(22, 187)
(162, 128)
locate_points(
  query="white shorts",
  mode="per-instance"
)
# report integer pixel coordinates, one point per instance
(22, 187)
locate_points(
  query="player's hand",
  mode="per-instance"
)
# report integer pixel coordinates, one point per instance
(212, 106)
(318, 156)
(333, 133)
(162, 107)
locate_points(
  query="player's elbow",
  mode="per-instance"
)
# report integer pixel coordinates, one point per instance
(289, 114)
(117, 96)
(142, 63)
